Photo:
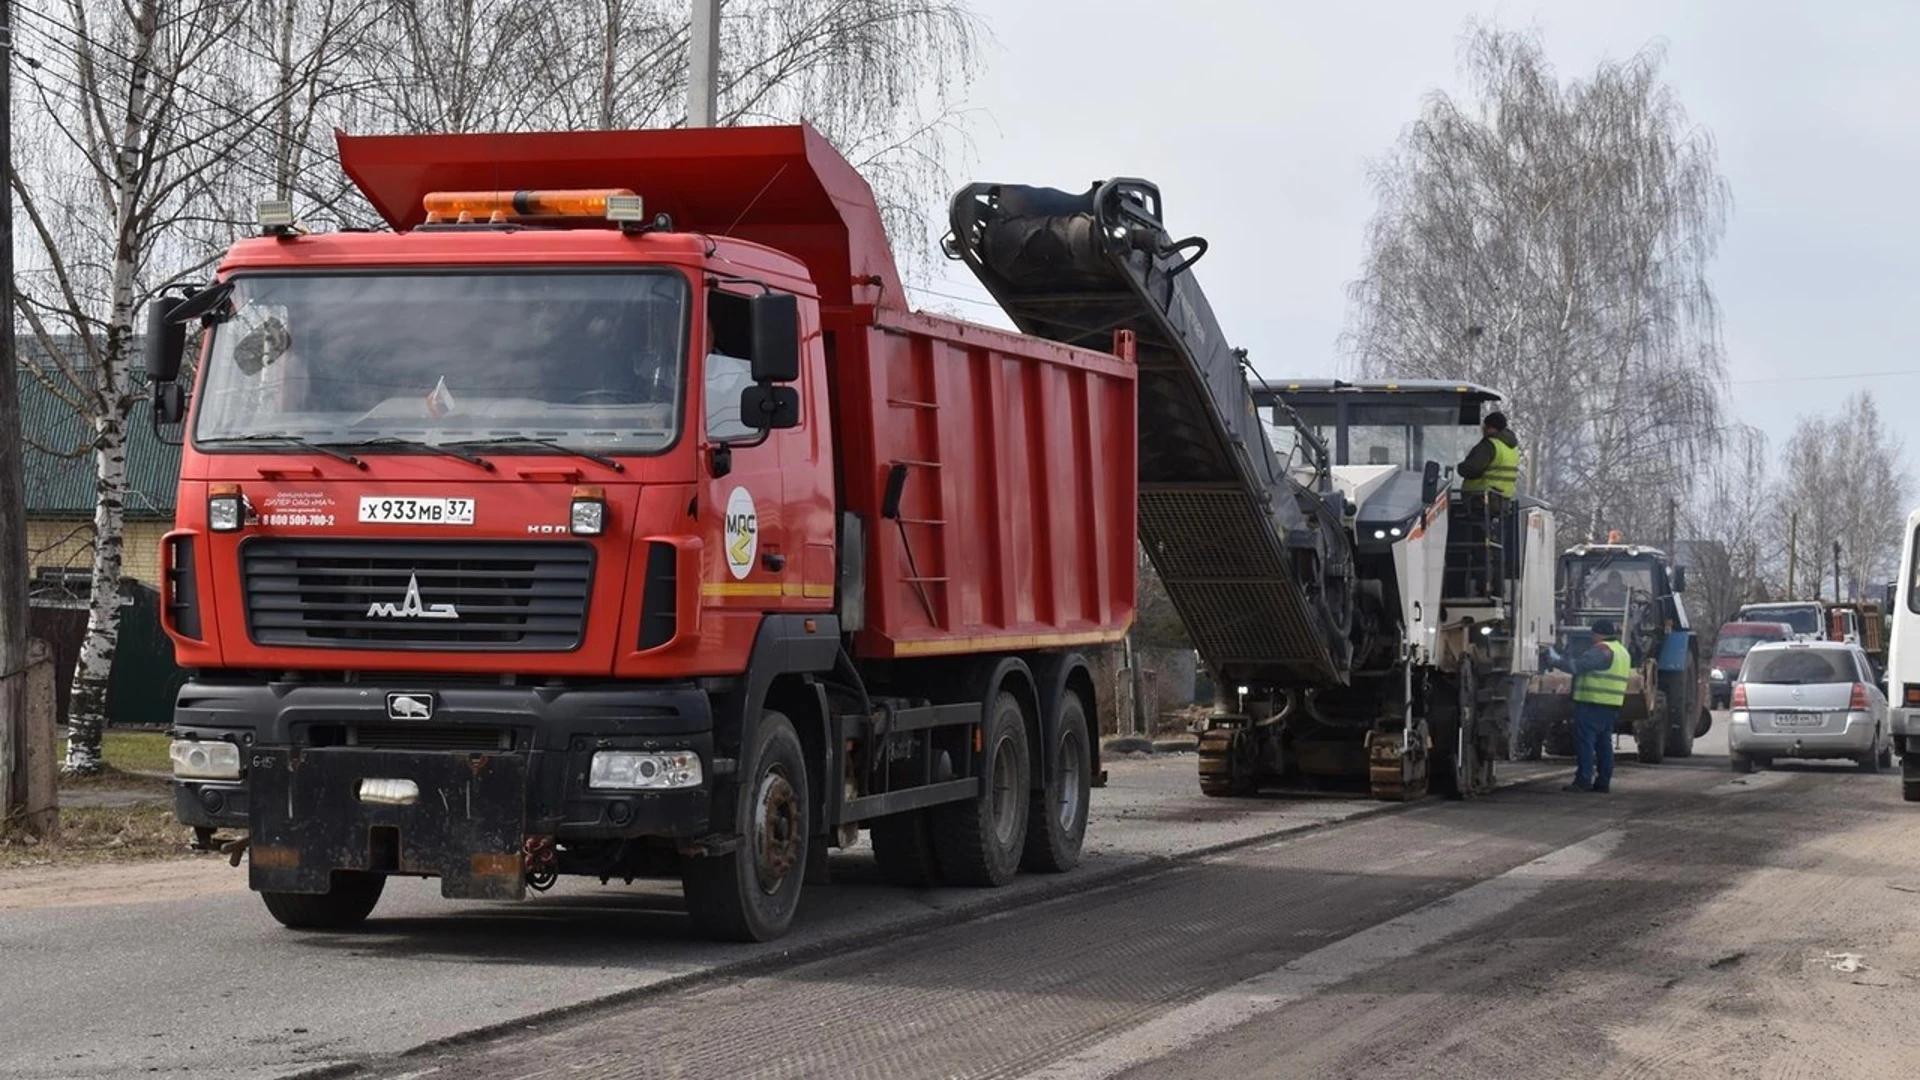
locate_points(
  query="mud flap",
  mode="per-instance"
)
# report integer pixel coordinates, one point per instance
(466, 825)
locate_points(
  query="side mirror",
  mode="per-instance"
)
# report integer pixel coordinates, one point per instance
(1679, 579)
(770, 407)
(1430, 483)
(775, 319)
(169, 403)
(166, 339)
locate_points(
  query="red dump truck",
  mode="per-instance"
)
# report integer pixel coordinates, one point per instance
(613, 515)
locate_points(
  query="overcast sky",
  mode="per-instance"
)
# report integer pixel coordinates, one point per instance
(1258, 120)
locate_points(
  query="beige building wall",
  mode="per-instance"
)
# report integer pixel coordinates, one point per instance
(67, 544)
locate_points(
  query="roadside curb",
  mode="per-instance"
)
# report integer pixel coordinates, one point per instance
(991, 902)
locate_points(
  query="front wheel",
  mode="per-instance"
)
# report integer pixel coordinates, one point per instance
(349, 899)
(751, 893)
(1057, 824)
(1742, 763)
(1650, 735)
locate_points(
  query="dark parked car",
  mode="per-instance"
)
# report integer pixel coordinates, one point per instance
(1735, 641)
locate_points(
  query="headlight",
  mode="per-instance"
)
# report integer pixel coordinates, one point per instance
(195, 759)
(223, 513)
(634, 769)
(589, 516)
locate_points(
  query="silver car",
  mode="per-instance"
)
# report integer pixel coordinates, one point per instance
(1808, 699)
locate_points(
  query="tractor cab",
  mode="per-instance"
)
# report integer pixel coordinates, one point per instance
(1635, 587)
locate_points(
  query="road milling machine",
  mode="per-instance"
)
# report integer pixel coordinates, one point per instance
(1362, 619)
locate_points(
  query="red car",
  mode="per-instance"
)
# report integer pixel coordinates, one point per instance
(1730, 651)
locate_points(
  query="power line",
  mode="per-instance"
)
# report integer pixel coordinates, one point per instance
(1896, 373)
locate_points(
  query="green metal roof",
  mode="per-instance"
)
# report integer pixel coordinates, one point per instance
(63, 486)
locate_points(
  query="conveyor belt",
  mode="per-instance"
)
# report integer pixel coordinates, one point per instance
(1257, 565)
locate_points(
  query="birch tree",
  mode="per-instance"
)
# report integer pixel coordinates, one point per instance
(138, 123)
(1552, 239)
(1843, 483)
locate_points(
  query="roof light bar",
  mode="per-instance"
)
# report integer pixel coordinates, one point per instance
(617, 204)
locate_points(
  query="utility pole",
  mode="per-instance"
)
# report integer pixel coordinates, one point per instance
(703, 65)
(1673, 531)
(13, 516)
(1836, 573)
(1793, 550)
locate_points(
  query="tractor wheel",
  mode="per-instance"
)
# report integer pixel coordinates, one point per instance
(1650, 734)
(1680, 719)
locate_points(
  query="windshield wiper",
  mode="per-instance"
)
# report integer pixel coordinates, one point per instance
(294, 441)
(551, 444)
(448, 449)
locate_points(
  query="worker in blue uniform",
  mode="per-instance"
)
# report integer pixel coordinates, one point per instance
(1600, 674)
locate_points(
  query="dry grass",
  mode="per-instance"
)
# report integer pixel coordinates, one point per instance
(102, 834)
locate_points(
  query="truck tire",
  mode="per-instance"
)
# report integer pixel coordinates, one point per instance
(1910, 777)
(349, 899)
(1680, 720)
(751, 892)
(980, 841)
(903, 847)
(1057, 823)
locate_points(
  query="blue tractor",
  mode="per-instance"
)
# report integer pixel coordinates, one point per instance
(1639, 589)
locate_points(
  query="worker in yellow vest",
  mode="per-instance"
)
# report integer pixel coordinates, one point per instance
(1599, 689)
(1493, 465)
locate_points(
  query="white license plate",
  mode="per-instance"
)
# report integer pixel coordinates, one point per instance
(1799, 720)
(390, 511)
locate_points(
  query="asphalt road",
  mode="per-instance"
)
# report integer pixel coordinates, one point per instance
(174, 969)
(1693, 923)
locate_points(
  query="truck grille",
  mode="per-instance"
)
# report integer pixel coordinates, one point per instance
(398, 594)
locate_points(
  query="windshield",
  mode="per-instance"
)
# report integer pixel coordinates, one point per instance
(1737, 645)
(591, 359)
(1799, 666)
(1606, 584)
(1408, 435)
(1382, 433)
(1804, 619)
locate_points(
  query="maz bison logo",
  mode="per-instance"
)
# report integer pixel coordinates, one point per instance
(409, 706)
(410, 606)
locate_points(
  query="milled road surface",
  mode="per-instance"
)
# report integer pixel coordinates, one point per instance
(1691, 924)
(174, 969)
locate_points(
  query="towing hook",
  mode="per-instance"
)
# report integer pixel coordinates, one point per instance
(540, 860)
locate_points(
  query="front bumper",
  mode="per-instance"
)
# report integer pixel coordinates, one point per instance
(1857, 738)
(493, 766)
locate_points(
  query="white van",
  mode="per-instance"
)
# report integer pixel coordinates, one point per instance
(1903, 662)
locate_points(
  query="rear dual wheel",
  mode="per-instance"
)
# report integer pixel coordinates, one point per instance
(1057, 822)
(980, 841)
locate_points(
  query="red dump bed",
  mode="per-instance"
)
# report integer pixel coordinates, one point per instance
(1016, 523)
